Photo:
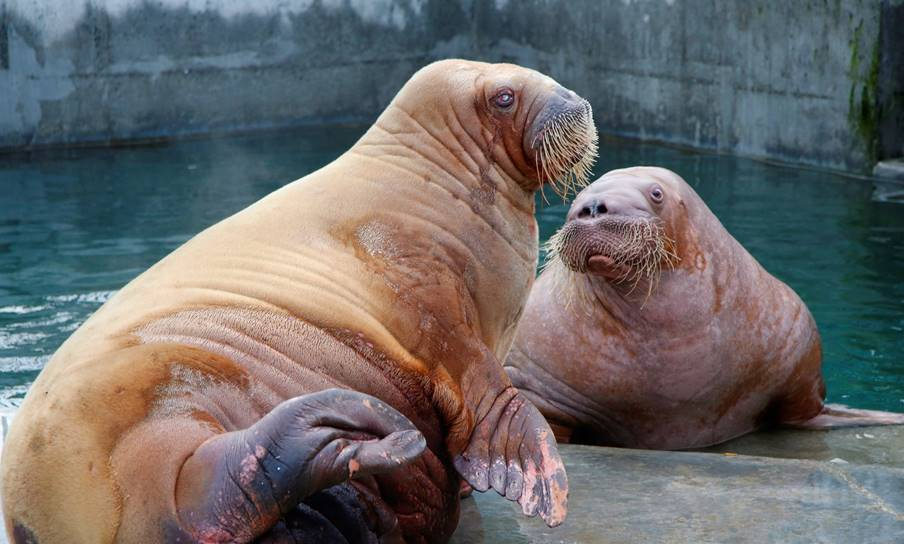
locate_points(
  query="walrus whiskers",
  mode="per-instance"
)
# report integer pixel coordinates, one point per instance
(649, 264)
(565, 285)
(639, 245)
(567, 150)
(565, 280)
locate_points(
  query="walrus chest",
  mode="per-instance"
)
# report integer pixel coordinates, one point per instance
(435, 280)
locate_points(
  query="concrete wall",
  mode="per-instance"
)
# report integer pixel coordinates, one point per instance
(797, 81)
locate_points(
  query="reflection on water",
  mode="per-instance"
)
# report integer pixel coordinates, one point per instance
(77, 225)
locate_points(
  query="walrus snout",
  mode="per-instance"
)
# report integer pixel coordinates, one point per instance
(560, 101)
(562, 140)
(615, 245)
(562, 104)
(581, 239)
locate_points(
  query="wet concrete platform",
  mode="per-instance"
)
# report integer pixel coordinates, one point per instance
(857, 445)
(631, 496)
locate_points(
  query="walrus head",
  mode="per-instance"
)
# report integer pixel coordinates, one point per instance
(529, 128)
(621, 227)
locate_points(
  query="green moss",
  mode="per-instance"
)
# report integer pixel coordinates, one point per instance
(863, 101)
(855, 52)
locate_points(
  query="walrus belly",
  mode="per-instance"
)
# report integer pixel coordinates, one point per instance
(212, 371)
(279, 357)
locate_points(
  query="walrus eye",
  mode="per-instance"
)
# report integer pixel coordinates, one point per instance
(656, 194)
(504, 98)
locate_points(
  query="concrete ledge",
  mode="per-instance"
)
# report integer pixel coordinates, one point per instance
(630, 496)
(890, 169)
(857, 445)
(889, 184)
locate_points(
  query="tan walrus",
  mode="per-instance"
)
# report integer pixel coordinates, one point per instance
(350, 325)
(651, 327)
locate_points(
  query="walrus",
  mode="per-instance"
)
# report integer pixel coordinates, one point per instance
(326, 364)
(652, 327)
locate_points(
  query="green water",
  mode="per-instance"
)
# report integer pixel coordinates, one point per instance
(77, 225)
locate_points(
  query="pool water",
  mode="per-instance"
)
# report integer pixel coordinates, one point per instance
(77, 225)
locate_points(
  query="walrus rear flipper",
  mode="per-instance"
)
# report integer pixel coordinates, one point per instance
(238, 486)
(834, 416)
(513, 450)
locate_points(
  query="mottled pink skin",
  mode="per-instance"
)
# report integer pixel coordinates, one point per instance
(251, 464)
(718, 349)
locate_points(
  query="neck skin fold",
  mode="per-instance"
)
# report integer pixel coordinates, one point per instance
(462, 147)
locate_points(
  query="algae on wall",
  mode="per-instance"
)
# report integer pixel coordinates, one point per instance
(876, 103)
(863, 105)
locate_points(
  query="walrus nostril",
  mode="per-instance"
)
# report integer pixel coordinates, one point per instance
(592, 210)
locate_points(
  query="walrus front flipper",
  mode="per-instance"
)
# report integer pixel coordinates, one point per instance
(834, 416)
(238, 485)
(513, 451)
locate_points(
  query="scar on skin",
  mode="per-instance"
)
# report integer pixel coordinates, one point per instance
(250, 464)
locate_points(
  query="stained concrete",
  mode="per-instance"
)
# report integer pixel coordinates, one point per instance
(630, 496)
(106, 70)
(796, 81)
